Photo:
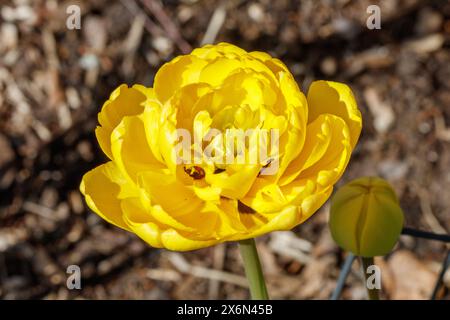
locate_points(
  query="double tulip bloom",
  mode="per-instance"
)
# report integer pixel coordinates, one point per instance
(182, 206)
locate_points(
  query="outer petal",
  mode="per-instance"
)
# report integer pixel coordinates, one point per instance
(337, 99)
(103, 187)
(176, 206)
(331, 166)
(174, 240)
(174, 197)
(297, 105)
(316, 145)
(325, 154)
(131, 149)
(138, 219)
(312, 203)
(123, 102)
(151, 231)
(285, 220)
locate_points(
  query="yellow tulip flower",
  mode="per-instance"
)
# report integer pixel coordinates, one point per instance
(365, 217)
(145, 189)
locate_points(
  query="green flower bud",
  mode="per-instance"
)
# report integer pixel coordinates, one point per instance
(365, 217)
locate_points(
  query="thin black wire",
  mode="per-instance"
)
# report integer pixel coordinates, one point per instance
(406, 231)
(445, 266)
(426, 235)
(343, 276)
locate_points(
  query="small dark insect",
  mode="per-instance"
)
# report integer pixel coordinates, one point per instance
(265, 166)
(195, 172)
(268, 163)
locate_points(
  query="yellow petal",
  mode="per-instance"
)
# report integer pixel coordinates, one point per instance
(215, 72)
(274, 64)
(337, 99)
(230, 213)
(130, 148)
(221, 49)
(288, 218)
(102, 188)
(308, 180)
(174, 197)
(265, 197)
(317, 143)
(188, 103)
(292, 142)
(181, 71)
(174, 240)
(123, 102)
(325, 154)
(140, 221)
(312, 203)
(234, 184)
(249, 88)
(207, 193)
(152, 119)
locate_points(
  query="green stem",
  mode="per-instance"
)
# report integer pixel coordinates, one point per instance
(253, 270)
(372, 293)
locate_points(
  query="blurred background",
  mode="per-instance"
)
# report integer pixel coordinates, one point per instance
(53, 82)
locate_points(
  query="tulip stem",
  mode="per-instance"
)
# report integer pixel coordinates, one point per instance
(253, 270)
(372, 293)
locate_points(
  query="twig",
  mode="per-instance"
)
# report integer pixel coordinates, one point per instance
(425, 205)
(215, 24)
(183, 266)
(289, 245)
(131, 44)
(163, 275)
(218, 261)
(166, 22)
(40, 210)
(149, 25)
